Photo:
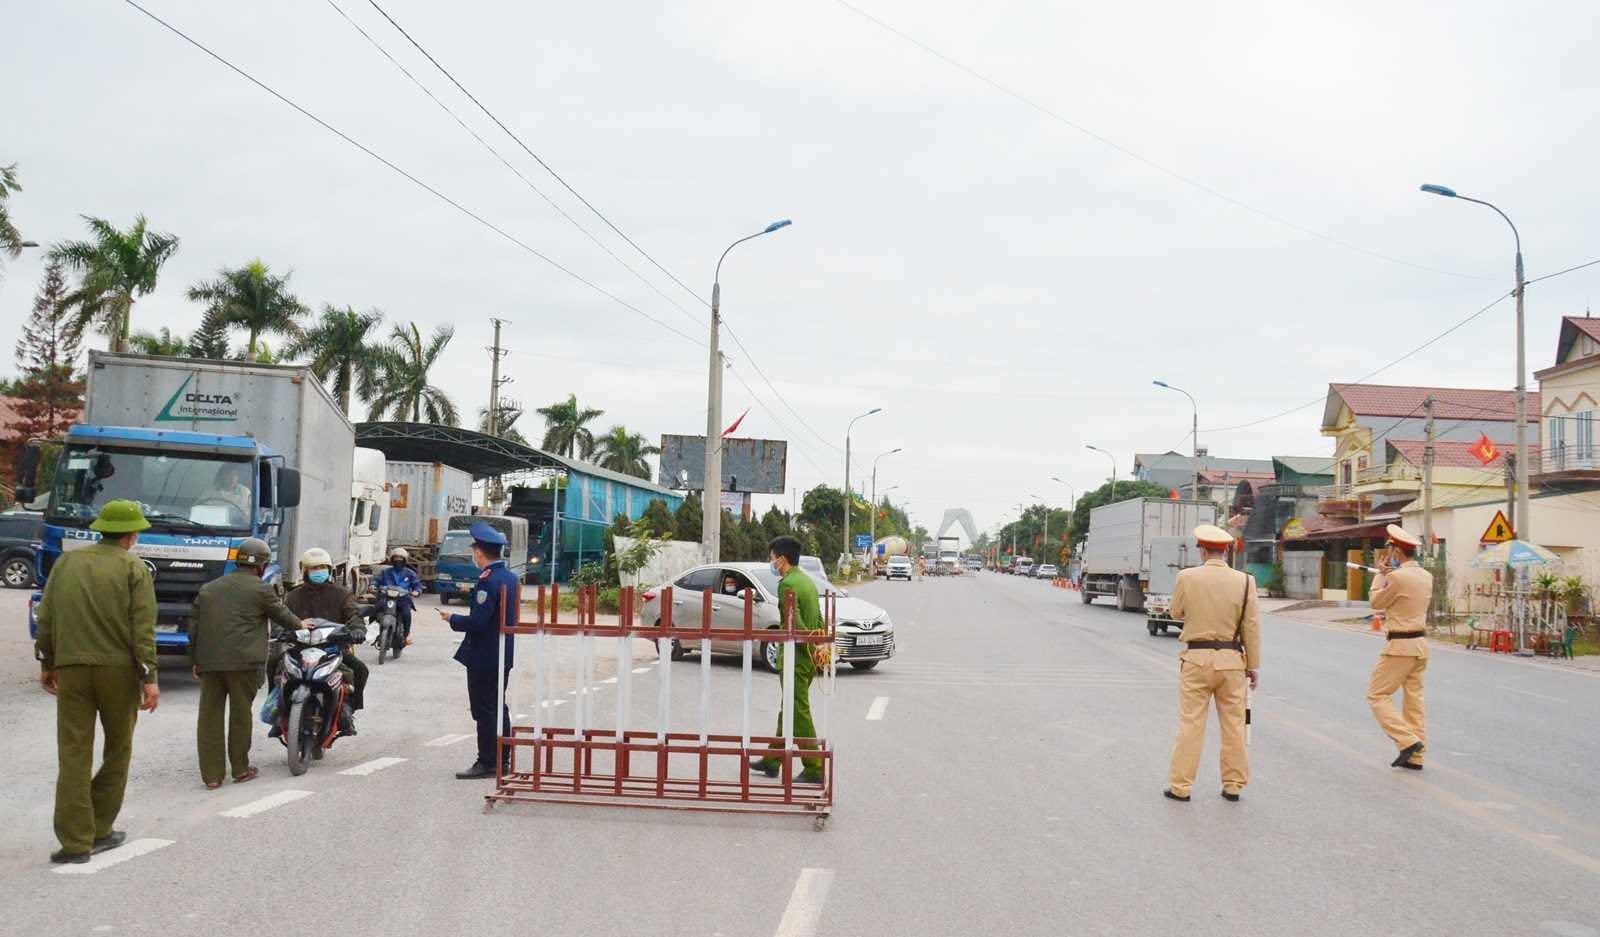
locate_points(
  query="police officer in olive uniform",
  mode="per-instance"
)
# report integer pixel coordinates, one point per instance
(496, 601)
(228, 640)
(1222, 634)
(1403, 595)
(96, 645)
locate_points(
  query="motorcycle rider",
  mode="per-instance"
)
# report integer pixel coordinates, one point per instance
(318, 596)
(399, 575)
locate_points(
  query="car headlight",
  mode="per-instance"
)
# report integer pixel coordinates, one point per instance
(443, 577)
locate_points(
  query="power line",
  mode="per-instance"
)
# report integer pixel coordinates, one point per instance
(763, 405)
(1106, 141)
(1560, 272)
(751, 358)
(408, 176)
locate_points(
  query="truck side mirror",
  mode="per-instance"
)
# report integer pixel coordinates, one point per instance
(25, 469)
(288, 493)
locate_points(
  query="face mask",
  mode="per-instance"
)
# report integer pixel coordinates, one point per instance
(317, 576)
(774, 567)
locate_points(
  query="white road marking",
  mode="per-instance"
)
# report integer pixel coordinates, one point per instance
(805, 903)
(370, 767)
(609, 680)
(444, 740)
(266, 803)
(1553, 699)
(875, 711)
(132, 849)
(641, 670)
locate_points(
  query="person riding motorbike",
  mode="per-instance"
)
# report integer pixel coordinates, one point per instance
(318, 596)
(399, 575)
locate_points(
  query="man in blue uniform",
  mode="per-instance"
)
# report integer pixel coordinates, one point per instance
(399, 575)
(496, 601)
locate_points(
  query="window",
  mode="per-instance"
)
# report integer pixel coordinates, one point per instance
(1557, 441)
(697, 580)
(1585, 435)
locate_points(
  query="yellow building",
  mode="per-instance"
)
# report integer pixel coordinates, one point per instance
(1570, 392)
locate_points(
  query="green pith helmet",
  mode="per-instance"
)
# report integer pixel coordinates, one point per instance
(117, 518)
(253, 552)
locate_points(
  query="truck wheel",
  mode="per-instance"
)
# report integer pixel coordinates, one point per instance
(1085, 595)
(1153, 628)
(1122, 601)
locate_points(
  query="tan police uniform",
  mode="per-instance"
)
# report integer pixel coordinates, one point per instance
(1222, 634)
(1403, 596)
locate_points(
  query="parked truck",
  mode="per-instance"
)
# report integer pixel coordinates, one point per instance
(1130, 538)
(214, 452)
(456, 574)
(423, 496)
(369, 517)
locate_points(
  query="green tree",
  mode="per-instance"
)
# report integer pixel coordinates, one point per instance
(10, 237)
(687, 520)
(1102, 495)
(254, 299)
(211, 339)
(566, 429)
(403, 389)
(344, 351)
(659, 517)
(114, 267)
(622, 451)
(49, 390)
(506, 422)
(162, 343)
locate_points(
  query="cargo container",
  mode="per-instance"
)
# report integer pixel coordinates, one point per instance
(1126, 537)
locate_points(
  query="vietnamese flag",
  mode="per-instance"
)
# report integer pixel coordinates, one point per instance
(729, 431)
(1484, 449)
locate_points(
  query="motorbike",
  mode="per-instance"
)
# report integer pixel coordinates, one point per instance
(386, 615)
(312, 689)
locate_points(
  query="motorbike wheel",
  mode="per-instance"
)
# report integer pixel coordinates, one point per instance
(384, 632)
(294, 735)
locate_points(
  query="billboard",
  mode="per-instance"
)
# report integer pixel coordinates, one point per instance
(749, 465)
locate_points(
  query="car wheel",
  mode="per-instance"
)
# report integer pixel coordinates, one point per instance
(769, 655)
(678, 652)
(864, 664)
(17, 573)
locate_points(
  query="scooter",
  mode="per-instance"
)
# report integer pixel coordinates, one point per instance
(386, 614)
(312, 690)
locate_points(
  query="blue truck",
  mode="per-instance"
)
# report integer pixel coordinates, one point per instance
(214, 452)
(455, 574)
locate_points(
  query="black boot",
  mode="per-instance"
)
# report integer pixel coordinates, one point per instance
(477, 772)
(1415, 748)
(1183, 798)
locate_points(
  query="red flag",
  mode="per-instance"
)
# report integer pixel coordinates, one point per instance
(1173, 494)
(729, 431)
(1484, 449)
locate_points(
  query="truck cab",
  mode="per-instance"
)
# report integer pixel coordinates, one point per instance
(456, 573)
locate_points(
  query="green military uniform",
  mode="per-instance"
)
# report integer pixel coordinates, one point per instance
(97, 633)
(809, 612)
(228, 645)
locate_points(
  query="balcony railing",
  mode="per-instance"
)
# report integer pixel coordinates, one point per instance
(1336, 493)
(1398, 471)
(1566, 459)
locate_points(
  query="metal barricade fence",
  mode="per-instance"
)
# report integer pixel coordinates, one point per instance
(620, 765)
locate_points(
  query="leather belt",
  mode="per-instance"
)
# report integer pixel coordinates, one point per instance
(1396, 635)
(1214, 646)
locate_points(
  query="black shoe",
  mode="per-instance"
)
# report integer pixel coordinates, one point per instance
(62, 857)
(1231, 798)
(1411, 765)
(111, 840)
(765, 766)
(1415, 748)
(477, 772)
(807, 777)
(1181, 798)
(277, 731)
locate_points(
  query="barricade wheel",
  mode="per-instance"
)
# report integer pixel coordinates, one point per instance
(818, 824)
(678, 652)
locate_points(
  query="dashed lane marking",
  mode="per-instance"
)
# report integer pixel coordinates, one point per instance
(444, 740)
(641, 670)
(266, 803)
(371, 767)
(800, 916)
(875, 711)
(132, 849)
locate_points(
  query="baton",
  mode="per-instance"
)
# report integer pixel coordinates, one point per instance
(1370, 569)
(1249, 699)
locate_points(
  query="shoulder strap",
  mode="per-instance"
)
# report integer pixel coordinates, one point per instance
(1244, 601)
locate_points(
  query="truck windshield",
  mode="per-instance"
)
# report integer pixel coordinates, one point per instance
(177, 491)
(457, 545)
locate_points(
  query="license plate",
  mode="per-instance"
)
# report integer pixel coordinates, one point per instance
(869, 640)
(166, 629)
(463, 587)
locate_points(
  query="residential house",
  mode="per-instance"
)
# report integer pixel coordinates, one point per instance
(1570, 395)
(1174, 471)
(1269, 514)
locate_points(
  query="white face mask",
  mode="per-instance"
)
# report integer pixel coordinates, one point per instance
(775, 570)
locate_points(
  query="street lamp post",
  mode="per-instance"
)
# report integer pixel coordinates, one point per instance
(847, 495)
(1113, 470)
(1020, 511)
(872, 524)
(1522, 524)
(1194, 432)
(711, 493)
(1046, 519)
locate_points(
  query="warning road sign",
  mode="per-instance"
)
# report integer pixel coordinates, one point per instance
(1498, 531)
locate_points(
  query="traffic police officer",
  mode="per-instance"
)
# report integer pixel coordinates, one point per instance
(228, 641)
(96, 645)
(1403, 595)
(496, 601)
(1222, 631)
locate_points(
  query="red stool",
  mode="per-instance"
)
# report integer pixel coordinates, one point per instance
(1500, 642)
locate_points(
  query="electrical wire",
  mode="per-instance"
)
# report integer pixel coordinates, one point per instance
(1561, 272)
(751, 359)
(1137, 157)
(763, 405)
(411, 178)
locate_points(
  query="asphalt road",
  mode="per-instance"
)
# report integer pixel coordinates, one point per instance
(1009, 784)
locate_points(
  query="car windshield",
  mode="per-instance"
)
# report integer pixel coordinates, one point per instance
(457, 545)
(177, 491)
(769, 581)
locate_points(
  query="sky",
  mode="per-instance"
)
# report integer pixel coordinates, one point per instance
(1000, 243)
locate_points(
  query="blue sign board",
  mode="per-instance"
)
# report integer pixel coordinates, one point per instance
(863, 541)
(882, 547)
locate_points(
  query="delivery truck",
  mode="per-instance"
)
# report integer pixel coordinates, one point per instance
(214, 452)
(1128, 539)
(423, 496)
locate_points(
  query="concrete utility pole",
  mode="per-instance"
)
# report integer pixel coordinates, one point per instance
(1511, 492)
(1427, 483)
(496, 496)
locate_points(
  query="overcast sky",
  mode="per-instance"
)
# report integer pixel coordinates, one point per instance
(1003, 285)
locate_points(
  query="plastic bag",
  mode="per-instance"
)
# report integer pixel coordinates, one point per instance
(269, 707)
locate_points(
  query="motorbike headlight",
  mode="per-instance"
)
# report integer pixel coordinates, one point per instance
(321, 672)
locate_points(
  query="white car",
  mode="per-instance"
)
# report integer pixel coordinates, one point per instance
(1045, 571)
(899, 567)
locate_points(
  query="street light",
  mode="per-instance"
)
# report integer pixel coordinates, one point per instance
(872, 525)
(1194, 431)
(1113, 469)
(1046, 519)
(711, 494)
(1072, 493)
(1017, 523)
(1523, 522)
(847, 495)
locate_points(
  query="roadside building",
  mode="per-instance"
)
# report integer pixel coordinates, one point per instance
(1176, 472)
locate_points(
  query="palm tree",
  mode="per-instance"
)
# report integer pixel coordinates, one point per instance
(165, 343)
(10, 237)
(252, 298)
(402, 384)
(565, 432)
(113, 267)
(506, 422)
(343, 348)
(622, 451)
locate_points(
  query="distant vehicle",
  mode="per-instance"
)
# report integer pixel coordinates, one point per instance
(899, 567)
(1045, 571)
(455, 573)
(865, 635)
(1134, 544)
(20, 533)
(1022, 565)
(813, 565)
(974, 563)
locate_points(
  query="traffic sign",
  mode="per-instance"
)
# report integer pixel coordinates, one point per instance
(882, 548)
(1498, 531)
(863, 541)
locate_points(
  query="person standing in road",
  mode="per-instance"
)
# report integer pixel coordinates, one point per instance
(228, 639)
(1222, 634)
(318, 596)
(399, 575)
(96, 646)
(496, 602)
(1403, 593)
(784, 556)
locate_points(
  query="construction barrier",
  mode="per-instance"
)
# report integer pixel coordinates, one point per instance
(623, 765)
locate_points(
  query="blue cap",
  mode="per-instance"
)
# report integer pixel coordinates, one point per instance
(482, 532)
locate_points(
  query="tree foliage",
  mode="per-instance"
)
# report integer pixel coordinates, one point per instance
(344, 352)
(10, 238)
(114, 267)
(566, 429)
(403, 389)
(625, 452)
(49, 390)
(159, 343)
(211, 339)
(253, 298)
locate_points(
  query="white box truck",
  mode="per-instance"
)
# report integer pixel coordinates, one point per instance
(1127, 538)
(423, 496)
